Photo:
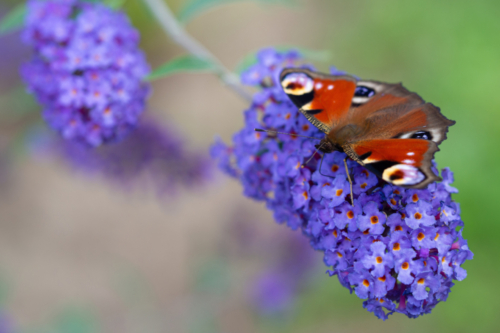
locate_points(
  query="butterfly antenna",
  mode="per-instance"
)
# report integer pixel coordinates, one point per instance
(310, 158)
(350, 181)
(292, 134)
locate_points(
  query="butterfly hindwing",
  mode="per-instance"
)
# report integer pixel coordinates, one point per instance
(323, 99)
(402, 162)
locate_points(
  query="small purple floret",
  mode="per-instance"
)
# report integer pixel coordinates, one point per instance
(399, 249)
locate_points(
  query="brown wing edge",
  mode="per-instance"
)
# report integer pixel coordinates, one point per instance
(426, 168)
(442, 123)
(321, 126)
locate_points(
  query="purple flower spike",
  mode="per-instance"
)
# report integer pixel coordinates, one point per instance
(152, 156)
(87, 70)
(398, 249)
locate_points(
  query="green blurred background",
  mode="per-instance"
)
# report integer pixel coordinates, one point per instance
(79, 256)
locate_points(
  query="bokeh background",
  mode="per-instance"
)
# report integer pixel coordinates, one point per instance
(80, 254)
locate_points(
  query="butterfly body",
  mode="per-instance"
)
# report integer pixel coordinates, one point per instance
(391, 131)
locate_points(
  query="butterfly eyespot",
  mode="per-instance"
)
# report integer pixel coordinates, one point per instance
(362, 95)
(403, 174)
(297, 84)
(421, 135)
(397, 175)
(362, 91)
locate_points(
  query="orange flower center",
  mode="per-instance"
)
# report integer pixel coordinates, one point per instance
(363, 185)
(398, 228)
(379, 260)
(405, 265)
(421, 281)
(382, 279)
(417, 216)
(420, 236)
(414, 197)
(339, 192)
(350, 215)
(393, 202)
(396, 247)
(335, 167)
(374, 219)
(366, 283)
(335, 233)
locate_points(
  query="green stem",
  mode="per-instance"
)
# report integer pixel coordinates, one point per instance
(173, 28)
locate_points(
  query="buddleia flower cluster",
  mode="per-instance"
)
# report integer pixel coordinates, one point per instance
(87, 70)
(398, 249)
(153, 155)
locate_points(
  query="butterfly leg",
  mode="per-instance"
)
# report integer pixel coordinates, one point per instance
(310, 158)
(320, 164)
(349, 178)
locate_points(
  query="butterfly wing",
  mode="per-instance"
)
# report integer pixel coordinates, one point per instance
(389, 129)
(323, 99)
(402, 162)
(391, 111)
(399, 133)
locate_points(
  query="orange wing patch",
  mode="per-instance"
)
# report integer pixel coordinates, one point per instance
(407, 151)
(333, 97)
(402, 162)
(323, 99)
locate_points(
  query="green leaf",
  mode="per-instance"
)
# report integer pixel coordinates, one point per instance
(181, 64)
(308, 54)
(13, 20)
(196, 7)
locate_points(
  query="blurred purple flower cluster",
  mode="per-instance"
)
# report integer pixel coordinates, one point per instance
(87, 70)
(290, 262)
(152, 155)
(398, 249)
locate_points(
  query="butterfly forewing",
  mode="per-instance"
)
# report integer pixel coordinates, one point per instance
(323, 99)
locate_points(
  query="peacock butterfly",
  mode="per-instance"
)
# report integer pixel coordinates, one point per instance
(391, 131)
